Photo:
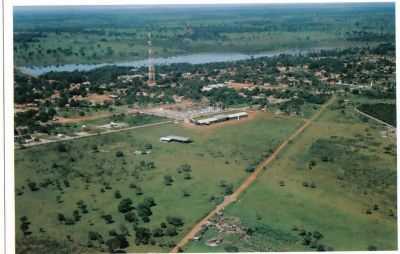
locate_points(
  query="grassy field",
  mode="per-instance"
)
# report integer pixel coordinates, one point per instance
(53, 179)
(337, 178)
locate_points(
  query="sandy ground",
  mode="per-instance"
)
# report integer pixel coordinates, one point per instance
(96, 98)
(249, 180)
(238, 86)
(77, 119)
(23, 108)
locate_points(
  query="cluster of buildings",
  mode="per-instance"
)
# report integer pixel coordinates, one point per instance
(220, 118)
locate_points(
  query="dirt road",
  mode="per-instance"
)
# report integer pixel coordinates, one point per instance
(96, 134)
(249, 180)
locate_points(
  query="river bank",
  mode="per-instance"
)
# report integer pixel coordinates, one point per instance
(200, 58)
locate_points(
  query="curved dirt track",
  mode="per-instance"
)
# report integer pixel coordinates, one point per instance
(249, 180)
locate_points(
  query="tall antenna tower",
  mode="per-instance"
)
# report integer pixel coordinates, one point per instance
(152, 70)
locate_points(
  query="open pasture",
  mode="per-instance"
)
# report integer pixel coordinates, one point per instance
(333, 188)
(67, 190)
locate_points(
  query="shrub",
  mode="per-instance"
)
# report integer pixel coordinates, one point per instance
(61, 217)
(119, 154)
(125, 205)
(144, 211)
(228, 189)
(149, 202)
(139, 191)
(142, 235)
(33, 186)
(168, 180)
(317, 235)
(176, 221)
(69, 221)
(62, 148)
(118, 242)
(131, 217)
(117, 194)
(321, 247)
(250, 168)
(185, 193)
(231, 248)
(94, 236)
(307, 240)
(171, 231)
(108, 218)
(158, 232)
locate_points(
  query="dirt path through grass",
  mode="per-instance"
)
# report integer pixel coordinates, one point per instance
(249, 180)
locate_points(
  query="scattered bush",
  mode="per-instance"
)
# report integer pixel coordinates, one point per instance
(125, 205)
(176, 221)
(231, 248)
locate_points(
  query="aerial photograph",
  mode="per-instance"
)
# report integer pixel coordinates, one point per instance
(204, 128)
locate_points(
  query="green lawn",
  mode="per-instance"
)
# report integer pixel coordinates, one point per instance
(359, 172)
(216, 154)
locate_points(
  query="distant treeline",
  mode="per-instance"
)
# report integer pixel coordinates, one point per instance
(28, 37)
(383, 111)
(369, 36)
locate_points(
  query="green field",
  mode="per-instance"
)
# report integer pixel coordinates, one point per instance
(52, 179)
(337, 178)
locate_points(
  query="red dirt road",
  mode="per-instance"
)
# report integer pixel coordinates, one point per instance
(249, 180)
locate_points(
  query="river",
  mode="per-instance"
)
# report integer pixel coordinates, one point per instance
(200, 58)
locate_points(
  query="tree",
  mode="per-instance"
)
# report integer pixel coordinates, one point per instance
(61, 217)
(94, 236)
(119, 154)
(142, 235)
(33, 186)
(131, 217)
(118, 242)
(117, 194)
(168, 180)
(176, 221)
(108, 218)
(171, 231)
(185, 168)
(187, 176)
(144, 210)
(250, 168)
(158, 232)
(149, 202)
(317, 235)
(125, 205)
(228, 189)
